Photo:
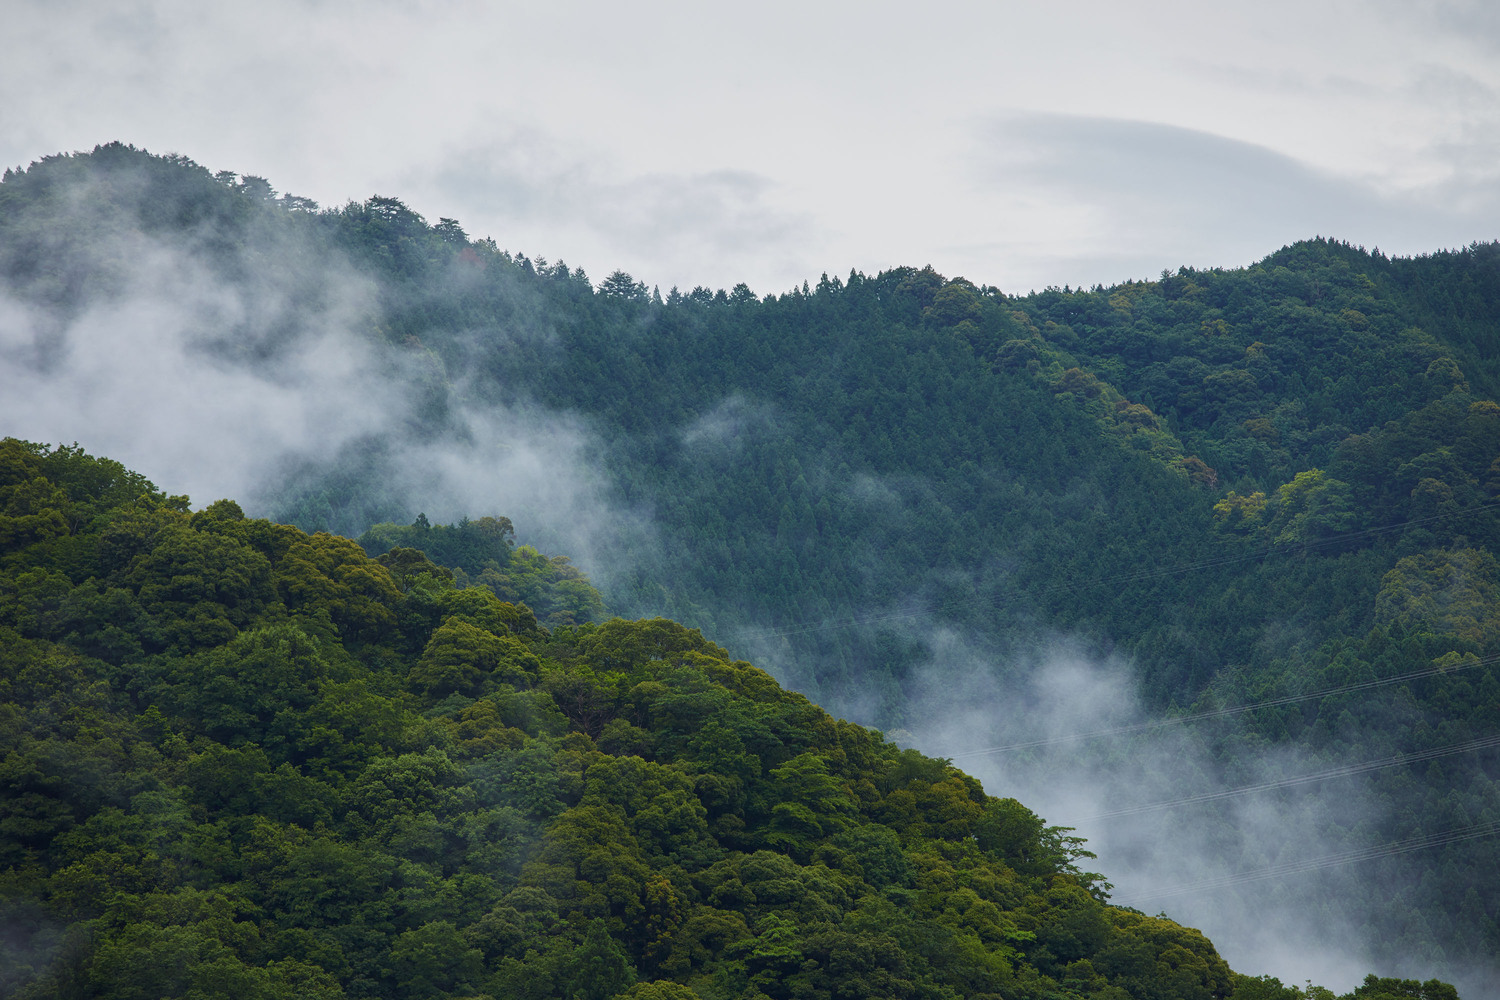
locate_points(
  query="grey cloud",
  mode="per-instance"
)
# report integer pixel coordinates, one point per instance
(1474, 22)
(1176, 195)
(1448, 86)
(714, 223)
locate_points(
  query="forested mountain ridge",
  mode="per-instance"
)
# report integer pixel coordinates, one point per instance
(1256, 484)
(240, 760)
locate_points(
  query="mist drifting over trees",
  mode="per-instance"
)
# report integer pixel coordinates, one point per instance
(1024, 532)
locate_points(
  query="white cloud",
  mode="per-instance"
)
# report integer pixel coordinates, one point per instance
(155, 376)
(700, 145)
(237, 378)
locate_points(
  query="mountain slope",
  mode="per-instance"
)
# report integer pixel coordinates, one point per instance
(1251, 485)
(240, 759)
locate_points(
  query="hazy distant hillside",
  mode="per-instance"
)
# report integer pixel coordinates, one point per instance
(1271, 486)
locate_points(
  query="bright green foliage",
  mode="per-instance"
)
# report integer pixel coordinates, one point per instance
(1376, 988)
(481, 552)
(469, 546)
(1451, 592)
(1263, 988)
(463, 659)
(332, 574)
(1310, 508)
(316, 807)
(1153, 957)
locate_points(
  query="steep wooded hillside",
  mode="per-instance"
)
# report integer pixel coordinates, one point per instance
(241, 760)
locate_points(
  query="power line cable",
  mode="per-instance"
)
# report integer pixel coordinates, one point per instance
(1218, 713)
(1442, 839)
(1343, 858)
(1363, 767)
(809, 626)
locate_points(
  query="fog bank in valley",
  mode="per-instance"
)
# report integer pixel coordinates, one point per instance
(1066, 733)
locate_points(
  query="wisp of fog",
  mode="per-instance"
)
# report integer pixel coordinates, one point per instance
(1152, 802)
(248, 377)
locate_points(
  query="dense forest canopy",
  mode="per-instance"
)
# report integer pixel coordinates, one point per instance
(1252, 485)
(241, 760)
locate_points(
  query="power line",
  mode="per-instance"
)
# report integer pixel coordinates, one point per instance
(1363, 767)
(1472, 832)
(1218, 713)
(1476, 831)
(808, 627)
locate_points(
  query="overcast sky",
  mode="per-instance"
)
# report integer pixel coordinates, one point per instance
(1018, 144)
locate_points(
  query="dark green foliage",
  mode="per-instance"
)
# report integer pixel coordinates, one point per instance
(469, 545)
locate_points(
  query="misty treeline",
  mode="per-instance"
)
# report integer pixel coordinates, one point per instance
(1253, 483)
(245, 761)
